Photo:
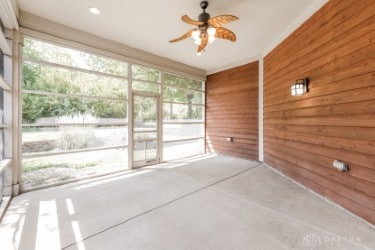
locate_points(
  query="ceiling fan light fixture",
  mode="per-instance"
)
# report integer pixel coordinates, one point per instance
(211, 31)
(195, 34)
(198, 41)
(208, 29)
(94, 10)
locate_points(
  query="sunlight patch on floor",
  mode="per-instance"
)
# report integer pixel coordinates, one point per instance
(48, 235)
(111, 179)
(78, 235)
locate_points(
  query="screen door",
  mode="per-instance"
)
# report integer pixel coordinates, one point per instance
(145, 129)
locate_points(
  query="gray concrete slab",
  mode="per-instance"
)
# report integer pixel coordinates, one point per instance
(267, 189)
(207, 220)
(210, 202)
(94, 205)
(208, 169)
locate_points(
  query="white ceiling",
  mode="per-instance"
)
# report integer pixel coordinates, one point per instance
(149, 25)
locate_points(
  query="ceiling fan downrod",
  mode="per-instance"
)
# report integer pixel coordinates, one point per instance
(204, 16)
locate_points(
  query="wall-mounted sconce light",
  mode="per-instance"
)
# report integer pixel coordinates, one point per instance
(299, 87)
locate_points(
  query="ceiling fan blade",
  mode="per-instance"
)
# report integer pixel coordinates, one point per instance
(188, 20)
(219, 21)
(224, 33)
(184, 36)
(203, 43)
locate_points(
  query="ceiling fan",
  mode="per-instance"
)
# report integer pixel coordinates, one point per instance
(208, 28)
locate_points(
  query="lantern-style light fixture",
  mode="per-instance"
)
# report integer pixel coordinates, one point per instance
(299, 87)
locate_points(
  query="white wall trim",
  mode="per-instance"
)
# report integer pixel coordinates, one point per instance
(4, 44)
(304, 16)
(260, 110)
(130, 118)
(9, 13)
(16, 112)
(4, 85)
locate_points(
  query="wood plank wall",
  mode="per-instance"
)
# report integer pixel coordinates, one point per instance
(232, 111)
(336, 118)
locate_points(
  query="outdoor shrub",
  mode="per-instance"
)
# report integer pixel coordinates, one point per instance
(76, 137)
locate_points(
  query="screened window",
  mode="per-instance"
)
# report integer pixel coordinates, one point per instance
(145, 79)
(40, 51)
(183, 116)
(74, 112)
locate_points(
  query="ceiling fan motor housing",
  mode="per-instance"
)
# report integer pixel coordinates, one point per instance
(203, 17)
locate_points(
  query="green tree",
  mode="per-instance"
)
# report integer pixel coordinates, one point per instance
(39, 77)
(51, 79)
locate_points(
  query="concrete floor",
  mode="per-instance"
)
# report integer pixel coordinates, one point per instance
(209, 202)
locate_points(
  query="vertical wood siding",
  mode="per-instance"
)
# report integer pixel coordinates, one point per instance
(232, 111)
(336, 118)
